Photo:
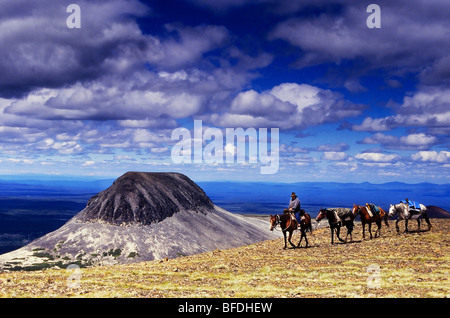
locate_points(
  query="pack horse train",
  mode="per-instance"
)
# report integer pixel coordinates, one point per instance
(290, 220)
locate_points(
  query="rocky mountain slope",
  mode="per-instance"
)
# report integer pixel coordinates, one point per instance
(437, 212)
(145, 198)
(142, 216)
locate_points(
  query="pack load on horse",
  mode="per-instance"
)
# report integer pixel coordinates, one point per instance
(413, 206)
(370, 213)
(373, 209)
(408, 210)
(338, 217)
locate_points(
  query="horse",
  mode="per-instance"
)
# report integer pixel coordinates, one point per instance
(336, 222)
(289, 224)
(403, 212)
(367, 218)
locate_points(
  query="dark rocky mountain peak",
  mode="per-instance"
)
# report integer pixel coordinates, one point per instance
(145, 198)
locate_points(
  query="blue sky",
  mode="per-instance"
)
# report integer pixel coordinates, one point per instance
(351, 103)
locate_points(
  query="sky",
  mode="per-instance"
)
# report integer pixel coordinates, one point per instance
(106, 89)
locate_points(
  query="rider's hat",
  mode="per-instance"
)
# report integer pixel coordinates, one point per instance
(293, 194)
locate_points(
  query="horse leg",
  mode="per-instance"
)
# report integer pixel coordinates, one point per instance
(378, 231)
(370, 230)
(364, 230)
(290, 236)
(332, 235)
(418, 224)
(397, 227)
(301, 238)
(304, 236)
(338, 231)
(406, 226)
(285, 242)
(346, 235)
(427, 219)
(350, 231)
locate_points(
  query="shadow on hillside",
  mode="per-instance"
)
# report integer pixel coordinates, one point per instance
(416, 231)
(337, 242)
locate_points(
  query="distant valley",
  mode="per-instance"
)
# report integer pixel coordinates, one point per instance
(270, 198)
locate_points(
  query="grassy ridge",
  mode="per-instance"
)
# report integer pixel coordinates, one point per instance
(406, 265)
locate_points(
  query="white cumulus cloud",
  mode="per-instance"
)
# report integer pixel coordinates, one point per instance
(377, 157)
(432, 156)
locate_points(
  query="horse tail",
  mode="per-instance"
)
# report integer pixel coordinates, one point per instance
(386, 218)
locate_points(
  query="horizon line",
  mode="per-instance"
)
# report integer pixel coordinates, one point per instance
(61, 177)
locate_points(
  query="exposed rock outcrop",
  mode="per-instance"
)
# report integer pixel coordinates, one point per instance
(145, 198)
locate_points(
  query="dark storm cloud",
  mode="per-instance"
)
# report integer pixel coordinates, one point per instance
(412, 34)
(39, 50)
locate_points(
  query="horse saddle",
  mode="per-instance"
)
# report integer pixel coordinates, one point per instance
(342, 213)
(373, 209)
(413, 206)
(299, 216)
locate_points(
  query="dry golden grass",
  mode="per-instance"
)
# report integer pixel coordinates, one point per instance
(406, 265)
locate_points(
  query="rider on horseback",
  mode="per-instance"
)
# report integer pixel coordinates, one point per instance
(294, 208)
